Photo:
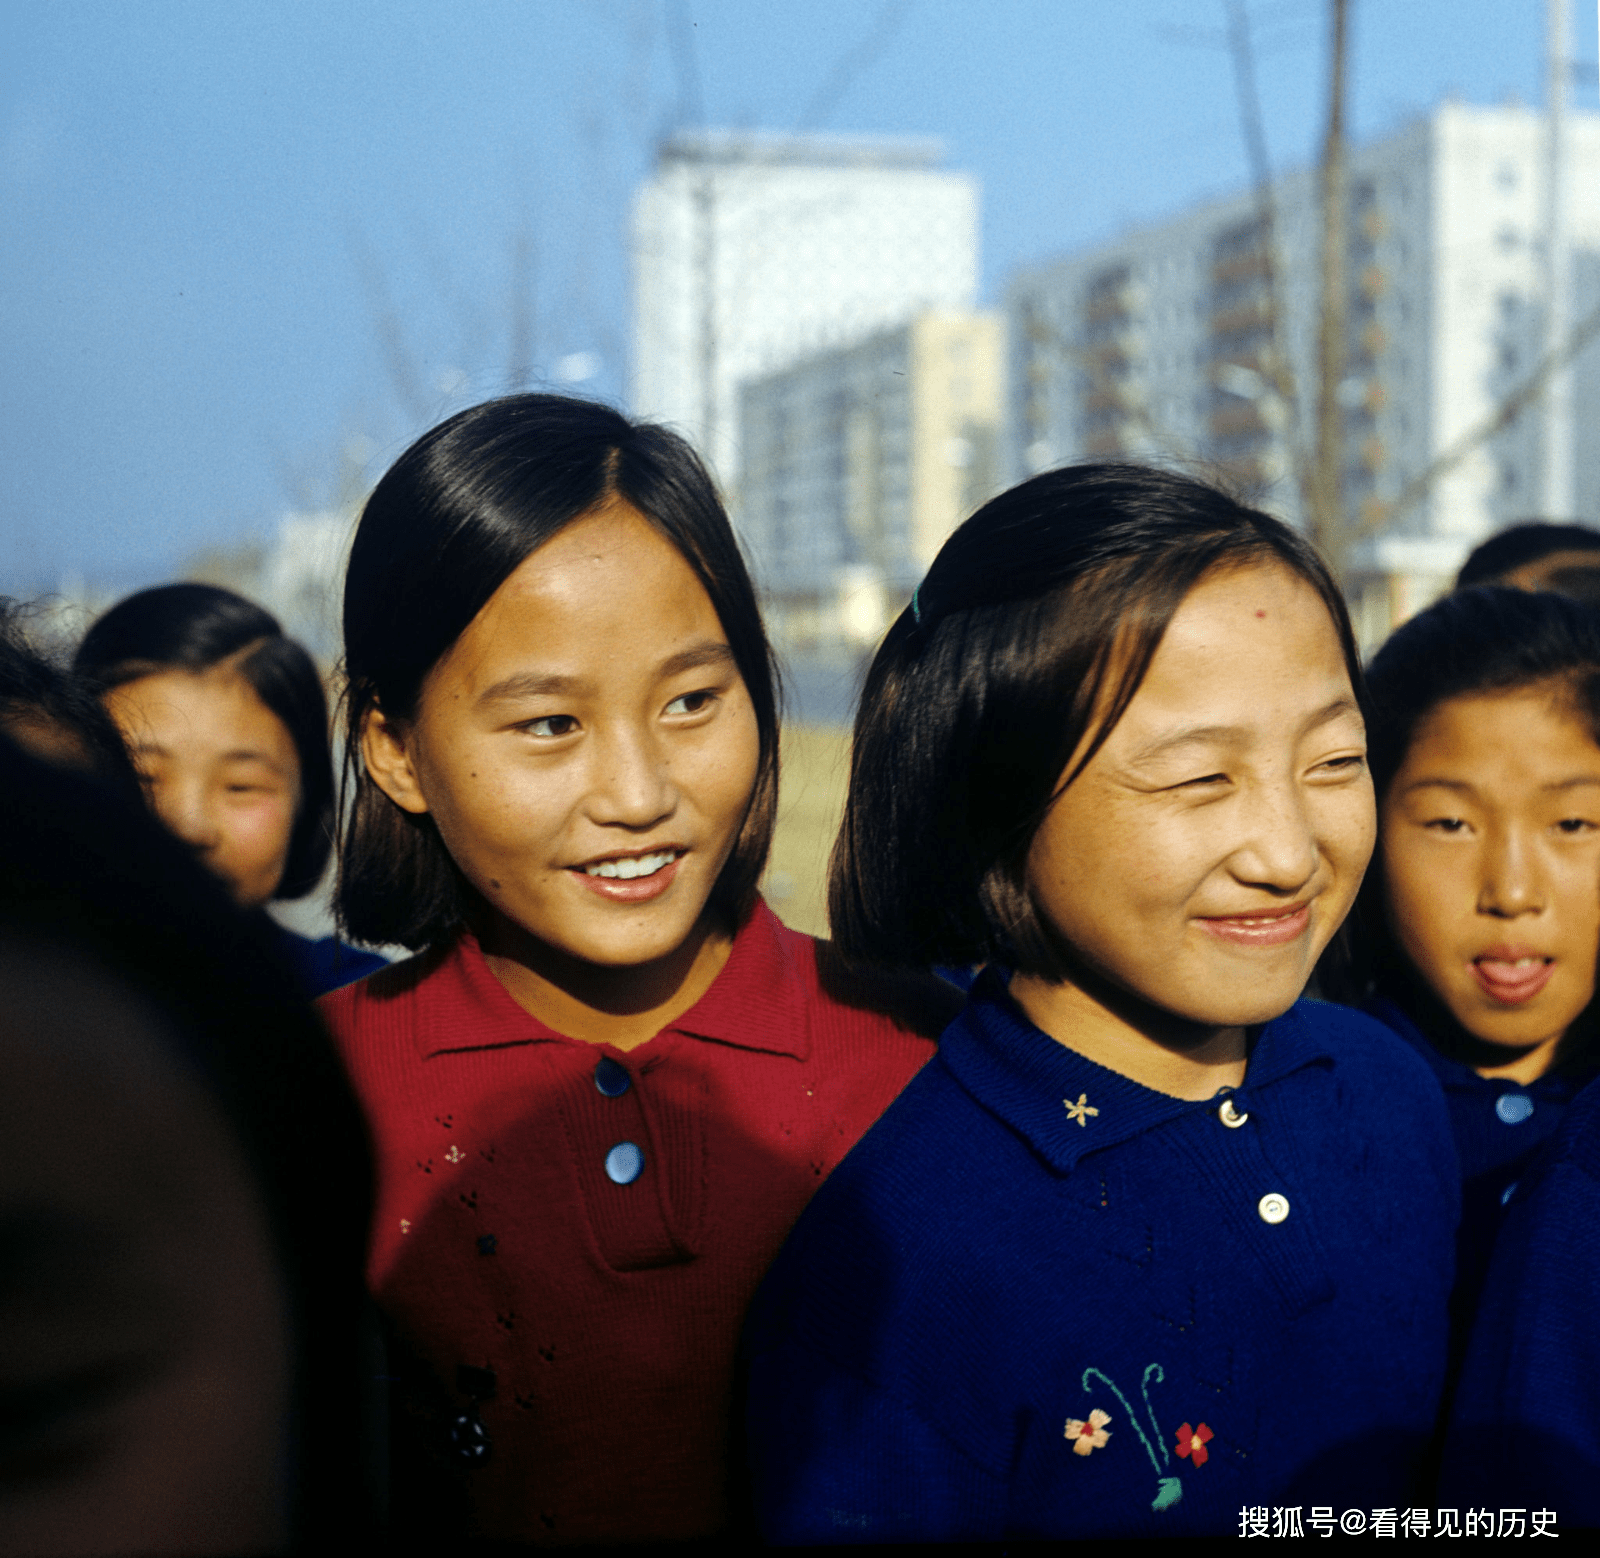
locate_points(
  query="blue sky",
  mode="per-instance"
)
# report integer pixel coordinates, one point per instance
(243, 244)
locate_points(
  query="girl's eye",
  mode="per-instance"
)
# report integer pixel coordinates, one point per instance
(1575, 825)
(691, 702)
(551, 725)
(1445, 824)
(1353, 764)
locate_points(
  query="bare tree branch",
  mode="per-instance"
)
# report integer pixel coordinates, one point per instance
(1497, 421)
(851, 64)
(1279, 370)
(1327, 505)
(524, 315)
(403, 375)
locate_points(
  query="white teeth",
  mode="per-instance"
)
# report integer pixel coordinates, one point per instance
(635, 866)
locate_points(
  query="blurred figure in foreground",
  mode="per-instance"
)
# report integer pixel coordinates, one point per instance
(1563, 559)
(227, 722)
(184, 1190)
(51, 713)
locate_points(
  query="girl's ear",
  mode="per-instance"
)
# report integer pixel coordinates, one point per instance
(385, 750)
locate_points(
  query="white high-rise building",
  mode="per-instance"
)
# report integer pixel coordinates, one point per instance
(1158, 344)
(858, 463)
(752, 250)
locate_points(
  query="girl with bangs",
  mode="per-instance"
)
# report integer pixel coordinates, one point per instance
(610, 1079)
(1152, 1239)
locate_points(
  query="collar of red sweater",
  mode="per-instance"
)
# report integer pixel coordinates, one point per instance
(758, 1001)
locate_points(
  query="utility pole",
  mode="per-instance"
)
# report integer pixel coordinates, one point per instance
(705, 286)
(1327, 505)
(1557, 493)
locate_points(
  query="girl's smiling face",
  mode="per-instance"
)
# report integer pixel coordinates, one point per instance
(1491, 865)
(1208, 851)
(586, 748)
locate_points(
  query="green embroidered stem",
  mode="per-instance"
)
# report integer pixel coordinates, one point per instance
(1159, 1373)
(1133, 1417)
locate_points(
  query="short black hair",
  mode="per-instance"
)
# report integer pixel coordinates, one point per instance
(45, 706)
(86, 868)
(1487, 639)
(451, 520)
(193, 627)
(1521, 544)
(1031, 632)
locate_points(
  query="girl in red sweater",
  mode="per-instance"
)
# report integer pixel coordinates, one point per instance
(611, 1079)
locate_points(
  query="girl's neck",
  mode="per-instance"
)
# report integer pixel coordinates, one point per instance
(1414, 996)
(1522, 1065)
(1154, 1049)
(621, 1006)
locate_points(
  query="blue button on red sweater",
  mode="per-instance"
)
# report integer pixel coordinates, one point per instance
(1040, 1300)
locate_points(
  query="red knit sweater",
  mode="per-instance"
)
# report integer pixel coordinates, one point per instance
(608, 1312)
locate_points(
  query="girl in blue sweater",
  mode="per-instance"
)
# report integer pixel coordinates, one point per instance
(1476, 932)
(1151, 1241)
(1475, 938)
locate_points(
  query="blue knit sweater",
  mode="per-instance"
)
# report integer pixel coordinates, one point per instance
(1040, 1300)
(1525, 1426)
(1499, 1127)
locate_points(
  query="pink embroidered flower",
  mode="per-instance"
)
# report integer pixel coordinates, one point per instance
(1192, 1442)
(1088, 1437)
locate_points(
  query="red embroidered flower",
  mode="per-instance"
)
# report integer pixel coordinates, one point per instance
(1192, 1442)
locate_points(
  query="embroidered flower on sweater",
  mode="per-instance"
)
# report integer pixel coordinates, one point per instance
(1081, 1110)
(1088, 1437)
(1192, 1443)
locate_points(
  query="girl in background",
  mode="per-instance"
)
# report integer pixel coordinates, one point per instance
(1150, 1239)
(1476, 939)
(1476, 933)
(227, 723)
(610, 1080)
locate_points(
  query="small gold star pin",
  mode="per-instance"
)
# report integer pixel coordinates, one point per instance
(1081, 1110)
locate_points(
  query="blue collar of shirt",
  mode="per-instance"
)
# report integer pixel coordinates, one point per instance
(1455, 1075)
(1066, 1105)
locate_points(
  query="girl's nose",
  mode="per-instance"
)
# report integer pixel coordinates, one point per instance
(186, 813)
(1280, 851)
(634, 787)
(1511, 884)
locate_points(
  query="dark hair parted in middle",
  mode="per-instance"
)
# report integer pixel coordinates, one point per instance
(1024, 644)
(194, 627)
(450, 522)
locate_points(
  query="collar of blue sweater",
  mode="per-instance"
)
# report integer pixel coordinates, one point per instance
(1066, 1105)
(1454, 1075)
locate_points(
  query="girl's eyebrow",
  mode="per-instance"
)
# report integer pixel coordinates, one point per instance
(529, 684)
(697, 655)
(251, 755)
(1202, 735)
(1435, 782)
(1466, 787)
(537, 684)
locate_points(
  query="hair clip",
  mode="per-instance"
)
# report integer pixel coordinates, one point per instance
(916, 610)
